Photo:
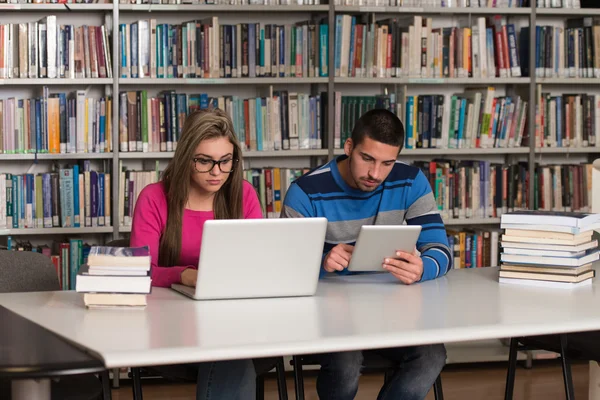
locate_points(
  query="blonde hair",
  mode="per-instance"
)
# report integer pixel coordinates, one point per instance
(177, 177)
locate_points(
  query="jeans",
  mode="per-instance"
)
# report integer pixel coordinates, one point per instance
(416, 370)
(234, 380)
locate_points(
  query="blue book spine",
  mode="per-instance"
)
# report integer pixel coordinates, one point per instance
(505, 118)
(262, 50)
(461, 122)
(47, 200)
(410, 113)
(159, 53)
(251, 50)
(352, 48)
(203, 101)
(323, 50)
(282, 51)
(22, 197)
(338, 44)
(38, 125)
(30, 215)
(101, 221)
(66, 197)
(134, 49)
(123, 41)
(94, 199)
(73, 261)
(76, 211)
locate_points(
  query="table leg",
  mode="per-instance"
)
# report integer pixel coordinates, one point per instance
(31, 389)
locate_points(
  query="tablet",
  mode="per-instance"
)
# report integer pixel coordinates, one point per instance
(378, 242)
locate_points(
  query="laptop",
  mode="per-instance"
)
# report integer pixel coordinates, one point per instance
(253, 258)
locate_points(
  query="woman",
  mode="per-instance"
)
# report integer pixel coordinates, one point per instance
(203, 181)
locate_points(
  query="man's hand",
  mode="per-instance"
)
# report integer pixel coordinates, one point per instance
(407, 268)
(338, 258)
(189, 277)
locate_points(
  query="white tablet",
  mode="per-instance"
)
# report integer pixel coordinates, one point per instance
(378, 242)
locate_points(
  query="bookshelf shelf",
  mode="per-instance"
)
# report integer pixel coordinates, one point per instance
(472, 221)
(56, 7)
(222, 8)
(567, 150)
(567, 12)
(433, 10)
(71, 156)
(56, 81)
(247, 154)
(455, 152)
(436, 81)
(568, 81)
(219, 81)
(124, 229)
(57, 231)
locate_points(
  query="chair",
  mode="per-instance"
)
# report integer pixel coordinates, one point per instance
(372, 362)
(24, 271)
(262, 366)
(525, 344)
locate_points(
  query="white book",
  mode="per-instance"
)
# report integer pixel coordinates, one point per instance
(545, 284)
(51, 44)
(549, 253)
(276, 124)
(548, 260)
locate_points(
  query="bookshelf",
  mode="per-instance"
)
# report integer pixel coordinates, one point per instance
(113, 14)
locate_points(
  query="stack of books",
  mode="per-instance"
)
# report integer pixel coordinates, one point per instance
(115, 277)
(553, 249)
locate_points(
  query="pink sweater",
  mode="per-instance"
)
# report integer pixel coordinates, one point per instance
(150, 220)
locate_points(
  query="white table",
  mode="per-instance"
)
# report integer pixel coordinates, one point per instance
(347, 313)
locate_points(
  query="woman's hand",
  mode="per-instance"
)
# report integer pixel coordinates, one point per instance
(189, 277)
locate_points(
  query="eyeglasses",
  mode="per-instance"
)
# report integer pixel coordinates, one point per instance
(207, 165)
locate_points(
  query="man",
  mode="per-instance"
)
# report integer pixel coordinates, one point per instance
(368, 186)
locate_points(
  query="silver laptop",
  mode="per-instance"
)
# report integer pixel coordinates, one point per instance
(249, 258)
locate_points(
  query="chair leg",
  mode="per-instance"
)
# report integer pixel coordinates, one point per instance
(105, 380)
(387, 375)
(137, 384)
(298, 378)
(260, 387)
(281, 383)
(566, 367)
(512, 366)
(438, 392)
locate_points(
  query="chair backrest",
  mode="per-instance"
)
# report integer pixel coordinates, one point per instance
(118, 243)
(26, 271)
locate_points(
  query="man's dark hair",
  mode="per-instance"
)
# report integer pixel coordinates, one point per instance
(380, 125)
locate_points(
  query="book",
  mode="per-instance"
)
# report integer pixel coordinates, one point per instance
(87, 283)
(555, 278)
(102, 300)
(545, 253)
(562, 218)
(551, 247)
(550, 228)
(545, 260)
(106, 256)
(554, 269)
(528, 233)
(546, 284)
(566, 242)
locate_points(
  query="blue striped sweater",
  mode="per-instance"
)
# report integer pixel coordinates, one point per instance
(404, 197)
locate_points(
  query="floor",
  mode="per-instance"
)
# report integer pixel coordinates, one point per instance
(481, 381)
